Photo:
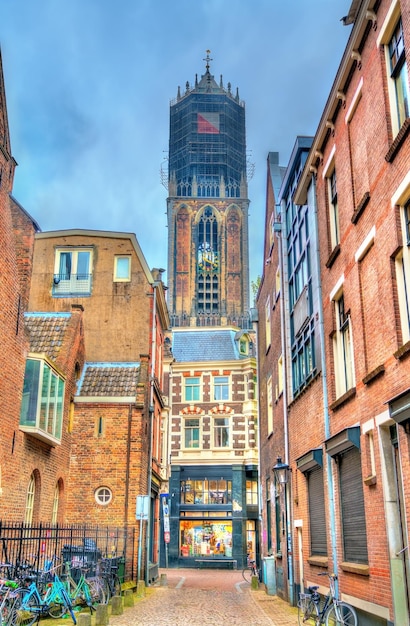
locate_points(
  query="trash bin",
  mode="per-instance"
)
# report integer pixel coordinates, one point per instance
(269, 575)
(79, 557)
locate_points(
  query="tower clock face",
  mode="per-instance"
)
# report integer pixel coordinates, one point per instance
(207, 257)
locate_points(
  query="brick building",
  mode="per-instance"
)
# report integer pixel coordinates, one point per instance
(347, 413)
(118, 448)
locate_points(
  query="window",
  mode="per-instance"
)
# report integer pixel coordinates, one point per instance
(352, 507)
(268, 517)
(192, 389)
(252, 492)
(391, 36)
(267, 324)
(221, 432)
(41, 412)
(333, 210)
(30, 497)
(103, 496)
(72, 272)
(279, 385)
(191, 432)
(343, 351)
(403, 275)
(122, 269)
(317, 518)
(56, 500)
(221, 387)
(206, 491)
(303, 358)
(208, 263)
(269, 404)
(204, 538)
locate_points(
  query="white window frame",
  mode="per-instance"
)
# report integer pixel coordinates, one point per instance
(121, 276)
(56, 501)
(217, 432)
(386, 33)
(343, 348)
(187, 428)
(279, 386)
(402, 261)
(192, 387)
(333, 207)
(72, 282)
(269, 404)
(103, 495)
(30, 499)
(223, 387)
(268, 334)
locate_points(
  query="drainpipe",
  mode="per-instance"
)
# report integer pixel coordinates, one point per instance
(289, 549)
(151, 417)
(330, 485)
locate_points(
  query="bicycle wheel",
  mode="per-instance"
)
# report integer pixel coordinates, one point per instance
(308, 611)
(97, 590)
(68, 606)
(26, 609)
(115, 586)
(341, 614)
(247, 574)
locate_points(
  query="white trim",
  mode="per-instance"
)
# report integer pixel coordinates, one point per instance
(402, 193)
(337, 288)
(383, 418)
(366, 245)
(329, 162)
(355, 101)
(389, 23)
(368, 426)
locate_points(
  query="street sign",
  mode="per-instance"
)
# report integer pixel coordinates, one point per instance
(167, 537)
(142, 507)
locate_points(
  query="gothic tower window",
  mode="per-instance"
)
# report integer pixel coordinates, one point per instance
(208, 263)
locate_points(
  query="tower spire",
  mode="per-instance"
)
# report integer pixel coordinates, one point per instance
(207, 59)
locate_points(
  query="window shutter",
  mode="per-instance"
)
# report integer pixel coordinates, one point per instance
(317, 518)
(352, 505)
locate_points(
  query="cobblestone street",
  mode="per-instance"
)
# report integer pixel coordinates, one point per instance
(199, 597)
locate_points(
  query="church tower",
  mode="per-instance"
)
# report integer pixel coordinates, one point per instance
(208, 258)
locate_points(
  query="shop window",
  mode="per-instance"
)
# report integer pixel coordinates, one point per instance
(221, 432)
(221, 387)
(72, 272)
(191, 432)
(200, 538)
(192, 389)
(252, 492)
(206, 491)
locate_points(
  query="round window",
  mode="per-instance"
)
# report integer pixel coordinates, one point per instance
(103, 495)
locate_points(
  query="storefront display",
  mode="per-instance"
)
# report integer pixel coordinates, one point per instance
(201, 538)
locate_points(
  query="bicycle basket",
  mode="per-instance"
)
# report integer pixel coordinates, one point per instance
(304, 599)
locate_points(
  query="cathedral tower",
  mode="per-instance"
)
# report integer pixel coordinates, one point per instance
(208, 264)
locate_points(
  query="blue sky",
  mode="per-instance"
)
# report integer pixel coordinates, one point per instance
(88, 87)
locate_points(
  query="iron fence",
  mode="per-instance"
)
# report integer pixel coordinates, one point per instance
(35, 546)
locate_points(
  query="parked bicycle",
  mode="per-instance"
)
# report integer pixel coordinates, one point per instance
(250, 570)
(108, 572)
(333, 611)
(34, 604)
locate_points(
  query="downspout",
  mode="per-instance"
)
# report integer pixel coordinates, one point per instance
(330, 486)
(151, 414)
(289, 549)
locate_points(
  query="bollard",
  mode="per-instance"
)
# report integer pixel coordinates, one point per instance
(101, 615)
(84, 619)
(255, 583)
(163, 582)
(116, 605)
(128, 597)
(140, 589)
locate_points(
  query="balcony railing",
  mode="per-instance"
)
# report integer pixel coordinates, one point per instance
(79, 284)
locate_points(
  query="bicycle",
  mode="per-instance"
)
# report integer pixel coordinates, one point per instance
(32, 604)
(81, 593)
(334, 612)
(250, 570)
(109, 574)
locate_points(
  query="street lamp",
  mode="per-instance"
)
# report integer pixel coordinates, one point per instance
(281, 472)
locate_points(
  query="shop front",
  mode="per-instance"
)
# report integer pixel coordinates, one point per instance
(209, 518)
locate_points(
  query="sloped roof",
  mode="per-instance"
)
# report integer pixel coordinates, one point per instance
(46, 332)
(216, 344)
(109, 380)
